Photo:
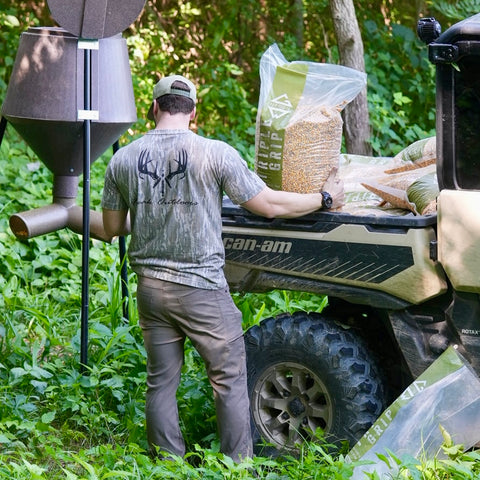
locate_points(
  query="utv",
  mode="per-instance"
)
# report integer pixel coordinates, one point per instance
(400, 289)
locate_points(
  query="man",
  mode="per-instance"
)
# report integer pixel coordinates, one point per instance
(169, 184)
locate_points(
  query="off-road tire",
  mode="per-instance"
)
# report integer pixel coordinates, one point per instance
(306, 372)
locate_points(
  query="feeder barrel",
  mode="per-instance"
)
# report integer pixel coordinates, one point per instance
(46, 91)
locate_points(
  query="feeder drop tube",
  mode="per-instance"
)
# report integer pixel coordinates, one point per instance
(53, 217)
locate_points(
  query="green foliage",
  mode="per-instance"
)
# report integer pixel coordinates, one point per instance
(394, 96)
(116, 461)
(455, 464)
(226, 111)
(54, 419)
(219, 48)
(256, 307)
(456, 11)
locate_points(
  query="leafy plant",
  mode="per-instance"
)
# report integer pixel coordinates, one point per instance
(457, 11)
(394, 100)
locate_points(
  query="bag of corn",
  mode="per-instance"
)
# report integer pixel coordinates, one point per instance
(355, 169)
(299, 126)
(415, 190)
(422, 152)
(424, 192)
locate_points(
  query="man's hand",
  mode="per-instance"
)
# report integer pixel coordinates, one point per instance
(334, 186)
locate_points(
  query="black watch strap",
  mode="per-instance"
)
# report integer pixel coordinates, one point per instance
(326, 200)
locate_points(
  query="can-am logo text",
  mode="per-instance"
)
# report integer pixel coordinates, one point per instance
(252, 244)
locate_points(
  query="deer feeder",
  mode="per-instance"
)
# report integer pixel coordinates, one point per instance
(43, 101)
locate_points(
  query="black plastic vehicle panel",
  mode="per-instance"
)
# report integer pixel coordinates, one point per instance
(321, 221)
(342, 260)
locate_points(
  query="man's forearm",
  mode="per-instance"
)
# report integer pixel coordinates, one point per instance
(116, 222)
(272, 203)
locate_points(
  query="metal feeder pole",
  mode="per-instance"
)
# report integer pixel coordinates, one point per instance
(3, 126)
(87, 115)
(124, 275)
(122, 245)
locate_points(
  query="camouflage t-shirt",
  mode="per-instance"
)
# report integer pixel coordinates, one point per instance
(173, 181)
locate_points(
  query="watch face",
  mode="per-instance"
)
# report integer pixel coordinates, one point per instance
(327, 200)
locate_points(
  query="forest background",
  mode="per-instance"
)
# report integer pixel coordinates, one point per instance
(57, 423)
(219, 44)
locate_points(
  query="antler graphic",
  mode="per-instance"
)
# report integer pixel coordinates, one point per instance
(143, 162)
(181, 161)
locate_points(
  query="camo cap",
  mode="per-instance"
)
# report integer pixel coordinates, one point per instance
(165, 87)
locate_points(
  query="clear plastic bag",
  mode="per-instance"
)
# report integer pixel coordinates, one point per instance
(299, 126)
(446, 395)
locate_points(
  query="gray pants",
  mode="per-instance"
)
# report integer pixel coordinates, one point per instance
(168, 314)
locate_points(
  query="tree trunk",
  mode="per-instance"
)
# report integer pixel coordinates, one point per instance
(297, 20)
(350, 46)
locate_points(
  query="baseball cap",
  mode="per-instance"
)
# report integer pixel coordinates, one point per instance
(164, 87)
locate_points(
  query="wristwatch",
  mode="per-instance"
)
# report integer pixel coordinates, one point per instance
(326, 200)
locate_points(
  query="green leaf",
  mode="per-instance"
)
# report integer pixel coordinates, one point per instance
(11, 21)
(40, 387)
(34, 469)
(38, 372)
(384, 459)
(4, 439)
(49, 417)
(17, 372)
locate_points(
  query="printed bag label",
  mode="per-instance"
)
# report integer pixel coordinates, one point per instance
(287, 88)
